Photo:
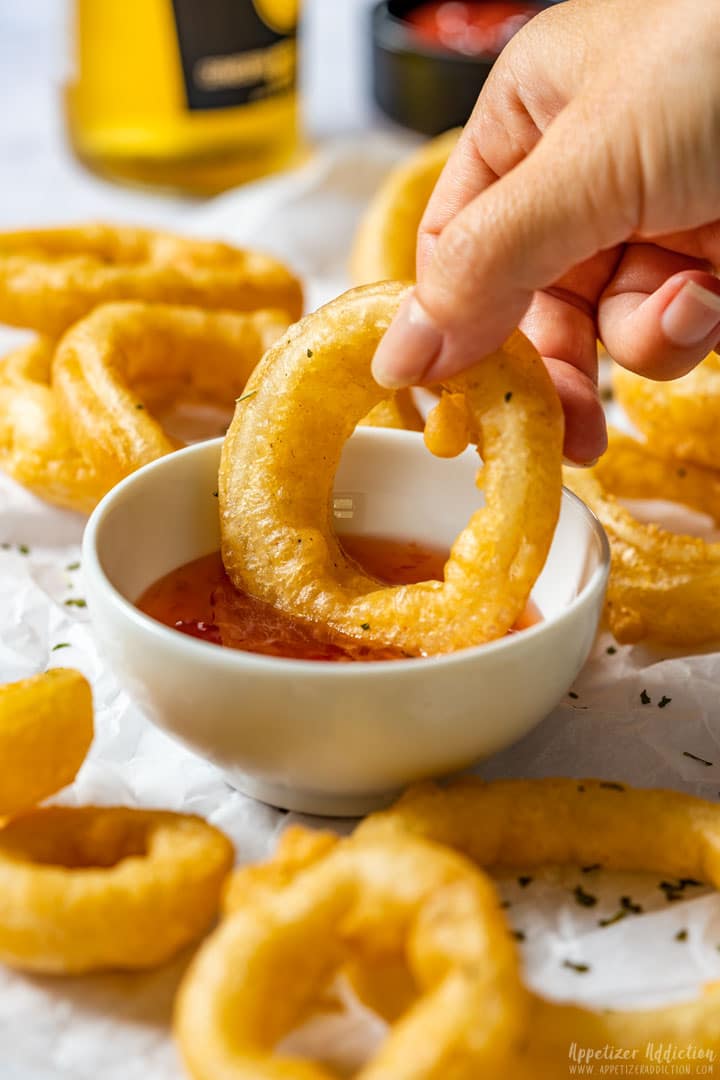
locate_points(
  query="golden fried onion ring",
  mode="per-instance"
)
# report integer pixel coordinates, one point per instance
(384, 246)
(662, 586)
(50, 278)
(93, 888)
(357, 901)
(534, 823)
(46, 727)
(280, 457)
(74, 422)
(36, 445)
(678, 419)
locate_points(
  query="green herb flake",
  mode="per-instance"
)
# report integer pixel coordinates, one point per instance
(629, 905)
(682, 935)
(309, 354)
(519, 935)
(23, 549)
(365, 626)
(584, 899)
(5, 546)
(73, 566)
(664, 701)
(524, 880)
(60, 645)
(573, 695)
(216, 494)
(508, 395)
(244, 397)
(612, 919)
(579, 969)
(694, 757)
(645, 698)
(611, 650)
(76, 602)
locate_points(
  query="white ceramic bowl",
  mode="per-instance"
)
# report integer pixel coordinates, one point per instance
(327, 738)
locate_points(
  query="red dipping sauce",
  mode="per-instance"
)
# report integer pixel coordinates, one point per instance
(199, 599)
(474, 28)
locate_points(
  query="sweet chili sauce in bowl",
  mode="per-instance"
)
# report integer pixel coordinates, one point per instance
(199, 600)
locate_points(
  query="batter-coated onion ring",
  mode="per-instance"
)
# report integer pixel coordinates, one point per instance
(360, 901)
(679, 419)
(398, 411)
(50, 278)
(662, 586)
(533, 823)
(93, 888)
(75, 422)
(36, 445)
(46, 727)
(283, 448)
(384, 246)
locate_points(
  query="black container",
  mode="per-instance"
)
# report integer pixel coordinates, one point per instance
(423, 87)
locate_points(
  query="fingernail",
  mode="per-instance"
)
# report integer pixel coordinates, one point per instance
(691, 316)
(409, 347)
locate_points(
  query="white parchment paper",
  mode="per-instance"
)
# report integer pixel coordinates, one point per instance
(635, 715)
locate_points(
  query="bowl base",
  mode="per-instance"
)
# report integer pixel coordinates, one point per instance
(310, 802)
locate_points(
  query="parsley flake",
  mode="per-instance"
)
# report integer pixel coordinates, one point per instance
(694, 757)
(60, 645)
(76, 602)
(309, 353)
(682, 935)
(244, 397)
(645, 697)
(584, 899)
(73, 566)
(664, 701)
(508, 396)
(365, 626)
(579, 969)
(23, 549)
(611, 650)
(573, 695)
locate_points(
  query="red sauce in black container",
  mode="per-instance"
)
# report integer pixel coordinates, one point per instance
(431, 57)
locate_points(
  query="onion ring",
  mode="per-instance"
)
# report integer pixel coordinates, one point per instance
(308, 393)
(662, 586)
(36, 446)
(678, 419)
(534, 823)
(110, 372)
(398, 411)
(50, 278)
(361, 900)
(98, 888)
(384, 246)
(46, 727)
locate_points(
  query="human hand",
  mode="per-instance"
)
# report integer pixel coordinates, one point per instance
(581, 199)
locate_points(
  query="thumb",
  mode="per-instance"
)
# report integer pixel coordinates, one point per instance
(559, 206)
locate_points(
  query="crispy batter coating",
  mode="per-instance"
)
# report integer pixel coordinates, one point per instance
(359, 902)
(97, 888)
(46, 727)
(50, 278)
(280, 457)
(662, 587)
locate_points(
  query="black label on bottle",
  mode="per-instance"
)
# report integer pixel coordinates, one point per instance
(234, 52)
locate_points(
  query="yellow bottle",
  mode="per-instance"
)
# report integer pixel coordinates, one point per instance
(196, 95)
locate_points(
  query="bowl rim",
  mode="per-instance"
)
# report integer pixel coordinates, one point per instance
(393, 33)
(240, 659)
